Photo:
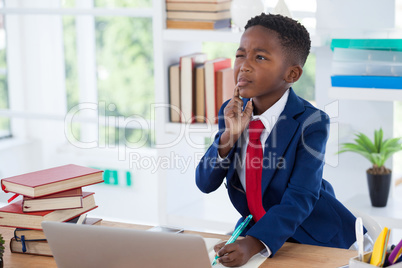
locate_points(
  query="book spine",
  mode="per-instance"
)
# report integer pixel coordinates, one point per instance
(3, 187)
(17, 247)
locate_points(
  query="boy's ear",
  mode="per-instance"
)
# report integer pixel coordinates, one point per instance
(294, 73)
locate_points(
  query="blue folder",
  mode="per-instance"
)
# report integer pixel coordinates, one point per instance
(388, 82)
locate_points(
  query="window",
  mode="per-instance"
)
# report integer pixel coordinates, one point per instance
(305, 87)
(4, 121)
(118, 54)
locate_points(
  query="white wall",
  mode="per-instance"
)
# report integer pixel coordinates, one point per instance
(347, 19)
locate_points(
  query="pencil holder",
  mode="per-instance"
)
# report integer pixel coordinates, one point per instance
(355, 263)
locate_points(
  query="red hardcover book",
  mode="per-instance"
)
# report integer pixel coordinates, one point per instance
(13, 216)
(62, 200)
(52, 180)
(188, 64)
(211, 67)
(225, 85)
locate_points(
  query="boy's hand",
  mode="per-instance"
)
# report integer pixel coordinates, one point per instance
(238, 253)
(236, 120)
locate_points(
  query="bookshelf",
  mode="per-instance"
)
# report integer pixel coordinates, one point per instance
(224, 35)
(169, 45)
(179, 200)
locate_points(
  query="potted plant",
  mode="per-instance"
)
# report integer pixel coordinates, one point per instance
(377, 152)
(1, 251)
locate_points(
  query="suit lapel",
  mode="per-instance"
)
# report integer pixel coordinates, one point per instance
(280, 137)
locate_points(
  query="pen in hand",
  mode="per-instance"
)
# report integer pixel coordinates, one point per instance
(235, 235)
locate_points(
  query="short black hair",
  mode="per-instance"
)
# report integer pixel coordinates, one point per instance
(293, 36)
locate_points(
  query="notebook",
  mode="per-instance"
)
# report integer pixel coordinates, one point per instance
(99, 246)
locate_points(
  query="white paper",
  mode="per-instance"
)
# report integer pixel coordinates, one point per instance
(254, 262)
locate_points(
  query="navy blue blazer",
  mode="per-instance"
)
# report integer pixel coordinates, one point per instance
(300, 205)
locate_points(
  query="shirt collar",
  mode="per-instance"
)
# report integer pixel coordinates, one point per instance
(271, 115)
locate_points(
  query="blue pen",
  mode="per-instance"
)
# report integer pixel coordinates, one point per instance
(236, 234)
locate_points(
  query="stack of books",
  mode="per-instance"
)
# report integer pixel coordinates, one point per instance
(198, 87)
(53, 194)
(198, 14)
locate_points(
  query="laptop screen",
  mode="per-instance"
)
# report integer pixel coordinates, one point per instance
(99, 246)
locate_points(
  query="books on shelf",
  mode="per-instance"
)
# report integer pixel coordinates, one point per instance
(62, 200)
(193, 15)
(174, 92)
(200, 15)
(211, 106)
(198, 24)
(198, 6)
(52, 180)
(12, 215)
(188, 65)
(200, 94)
(204, 87)
(225, 85)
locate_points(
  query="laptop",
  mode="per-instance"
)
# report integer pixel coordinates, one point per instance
(88, 246)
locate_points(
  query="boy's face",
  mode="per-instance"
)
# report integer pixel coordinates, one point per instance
(261, 68)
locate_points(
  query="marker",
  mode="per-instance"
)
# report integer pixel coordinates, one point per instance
(235, 234)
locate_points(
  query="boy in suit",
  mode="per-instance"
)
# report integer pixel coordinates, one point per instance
(270, 148)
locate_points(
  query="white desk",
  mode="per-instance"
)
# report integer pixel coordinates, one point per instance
(389, 216)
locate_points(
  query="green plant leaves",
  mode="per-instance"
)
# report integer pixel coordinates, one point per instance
(364, 141)
(1, 245)
(378, 134)
(376, 152)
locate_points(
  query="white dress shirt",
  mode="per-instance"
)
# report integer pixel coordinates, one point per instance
(268, 118)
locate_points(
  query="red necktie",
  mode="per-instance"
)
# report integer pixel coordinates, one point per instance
(254, 157)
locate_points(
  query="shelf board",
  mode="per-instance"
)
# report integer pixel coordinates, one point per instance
(368, 94)
(222, 35)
